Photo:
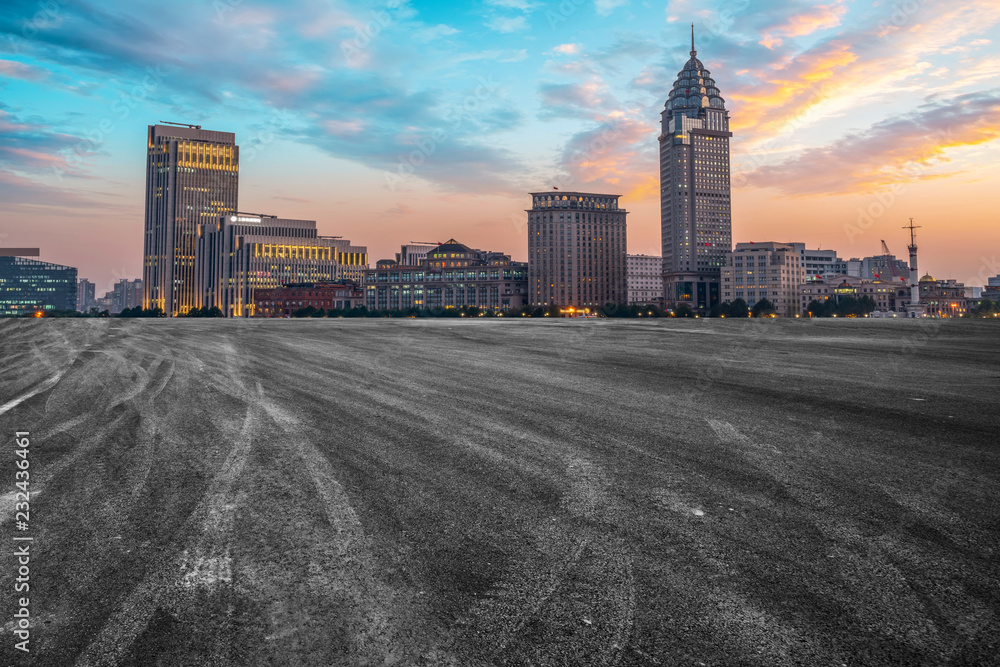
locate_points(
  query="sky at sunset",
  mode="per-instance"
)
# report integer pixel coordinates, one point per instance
(390, 122)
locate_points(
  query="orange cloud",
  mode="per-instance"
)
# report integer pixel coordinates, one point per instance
(806, 82)
(820, 17)
(906, 149)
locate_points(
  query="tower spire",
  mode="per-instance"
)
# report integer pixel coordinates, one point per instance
(693, 52)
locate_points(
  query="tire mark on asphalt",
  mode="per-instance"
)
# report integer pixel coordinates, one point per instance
(40, 388)
(208, 565)
(375, 611)
(728, 435)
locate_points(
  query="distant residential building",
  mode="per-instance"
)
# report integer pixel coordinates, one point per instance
(644, 276)
(285, 300)
(241, 253)
(126, 294)
(887, 296)
(28, 285)
(106, 302)
(992, 289)
(885, 267)
(451, 275)
(767, 270)
(576, 249)
(192, 178)
(86, 297)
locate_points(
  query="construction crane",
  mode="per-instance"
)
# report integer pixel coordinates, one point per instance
(893, 269)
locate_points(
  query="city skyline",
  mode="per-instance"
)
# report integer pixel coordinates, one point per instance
(510, 97)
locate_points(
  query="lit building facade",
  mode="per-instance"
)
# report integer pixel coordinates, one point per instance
(285, 300)
(695, 200)
(238, 254)
(888, 298)
(944, 298)
(772, 271)
(451, 275)
(28, 285)
(576, 249)
(192, 178)
(644, 277)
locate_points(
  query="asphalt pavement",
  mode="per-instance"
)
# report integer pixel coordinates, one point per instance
(504, 492)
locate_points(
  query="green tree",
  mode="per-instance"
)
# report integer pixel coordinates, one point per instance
(762, 308)
(683, 310)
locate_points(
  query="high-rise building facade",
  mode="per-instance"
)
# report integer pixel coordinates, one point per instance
(238, 254)
(771, 271)
(576, 249)
(695, 203)
(192, 178)
(644, 275)
(28, 285)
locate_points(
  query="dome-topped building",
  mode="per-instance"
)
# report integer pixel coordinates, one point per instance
(695, 214)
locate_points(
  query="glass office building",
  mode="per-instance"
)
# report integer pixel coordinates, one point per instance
(28, 286)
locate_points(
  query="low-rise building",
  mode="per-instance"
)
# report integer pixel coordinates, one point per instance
(285, 300)
(767, 270)
(888, 297)
(644, 276)
(28, 285)
(944, 298)
(239, 254)
(452, 275)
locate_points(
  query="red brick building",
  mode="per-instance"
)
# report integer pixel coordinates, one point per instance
(285, 300)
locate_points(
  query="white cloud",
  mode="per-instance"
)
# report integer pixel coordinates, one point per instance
(504, 25)
(523, 5)
(605, 7)
(567, 49)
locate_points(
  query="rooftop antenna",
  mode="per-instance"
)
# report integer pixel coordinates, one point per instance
(193, 127)
(693, 52)
(913, 234)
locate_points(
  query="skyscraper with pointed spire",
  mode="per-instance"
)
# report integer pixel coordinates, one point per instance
(695, 206)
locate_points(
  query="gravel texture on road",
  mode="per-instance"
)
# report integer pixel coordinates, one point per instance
(505, 492)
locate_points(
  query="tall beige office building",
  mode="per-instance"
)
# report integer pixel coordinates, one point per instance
(192, 178)
(576, 249)
(695, 207)
(770, 270)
